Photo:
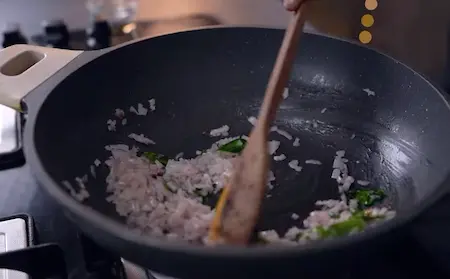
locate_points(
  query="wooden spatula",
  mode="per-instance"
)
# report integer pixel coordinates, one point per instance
(239, 205)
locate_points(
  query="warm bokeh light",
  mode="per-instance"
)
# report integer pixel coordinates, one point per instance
(365, 37)
(367, 20)
(371, 4)
(128, 28)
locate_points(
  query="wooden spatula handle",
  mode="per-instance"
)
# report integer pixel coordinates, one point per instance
(239, 205)
(282, 68)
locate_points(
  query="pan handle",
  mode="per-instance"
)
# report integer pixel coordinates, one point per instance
(25, 67)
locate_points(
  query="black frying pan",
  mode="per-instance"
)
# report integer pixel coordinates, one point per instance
(206, 78)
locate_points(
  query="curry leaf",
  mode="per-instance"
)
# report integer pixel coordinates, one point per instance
(153, 157)
(355, 223)
(367, 197)
(234, 146)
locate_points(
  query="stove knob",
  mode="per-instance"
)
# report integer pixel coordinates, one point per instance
(98, 35)
(12, 35)
(56, 33)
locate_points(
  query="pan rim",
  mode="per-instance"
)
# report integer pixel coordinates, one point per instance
(121, 231)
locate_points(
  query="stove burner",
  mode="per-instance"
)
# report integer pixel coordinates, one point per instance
(136, 272)
(13, 236)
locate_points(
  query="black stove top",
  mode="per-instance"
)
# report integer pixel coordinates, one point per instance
(422, 248)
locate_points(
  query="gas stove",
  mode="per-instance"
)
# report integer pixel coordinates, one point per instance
(34, 233)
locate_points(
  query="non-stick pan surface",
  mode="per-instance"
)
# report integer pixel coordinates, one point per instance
(396, 138)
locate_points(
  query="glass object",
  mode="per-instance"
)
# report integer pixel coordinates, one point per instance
(115, 11)
(12, 35)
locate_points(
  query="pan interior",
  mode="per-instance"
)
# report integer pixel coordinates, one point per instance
(396, 137)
